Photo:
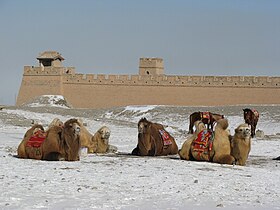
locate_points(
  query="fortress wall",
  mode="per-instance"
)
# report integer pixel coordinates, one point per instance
(105, 96)
(38, 81)
(210, 81)
(100, 90)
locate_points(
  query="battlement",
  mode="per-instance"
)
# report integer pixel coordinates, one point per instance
(164, 80)
(50, 70)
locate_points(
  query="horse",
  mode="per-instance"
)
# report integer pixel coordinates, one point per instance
(208, 118)
(251, 117)
(58, 143)
(154, 140)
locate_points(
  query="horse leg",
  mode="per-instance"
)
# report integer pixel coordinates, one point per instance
(253, 128)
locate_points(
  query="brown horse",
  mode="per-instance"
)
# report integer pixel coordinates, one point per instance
(58, 143)
(208, 118)
(154, 140)
(251, 117)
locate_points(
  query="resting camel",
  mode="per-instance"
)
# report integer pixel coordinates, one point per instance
(219, 152)
(97, 143)
(241, 144)
(208, 118)
(58, 143)
(154, 140)
(251, 117)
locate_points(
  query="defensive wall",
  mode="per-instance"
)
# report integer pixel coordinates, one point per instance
(149, 87)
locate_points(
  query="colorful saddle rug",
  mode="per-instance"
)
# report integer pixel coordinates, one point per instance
(205, 115)
(202, 145)
(256, 113)
(165, 137)
(36, 139)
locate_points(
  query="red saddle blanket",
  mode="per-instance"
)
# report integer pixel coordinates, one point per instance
(165, 137)
(202, 145)
(256, 113)
(205, 115)
(36, 139)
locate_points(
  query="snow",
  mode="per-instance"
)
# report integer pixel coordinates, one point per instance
(125, 182)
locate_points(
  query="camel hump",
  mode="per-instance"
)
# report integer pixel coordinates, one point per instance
(222, 123)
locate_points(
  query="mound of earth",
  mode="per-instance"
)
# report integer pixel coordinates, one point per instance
(49, 100)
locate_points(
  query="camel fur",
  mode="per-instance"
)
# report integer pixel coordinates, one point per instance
(241, 144)
(61, 143)
(150, 141)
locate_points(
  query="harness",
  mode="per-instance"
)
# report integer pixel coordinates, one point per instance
(202, 145)
(205, 115)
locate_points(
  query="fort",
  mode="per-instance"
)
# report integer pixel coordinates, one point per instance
(149, 87)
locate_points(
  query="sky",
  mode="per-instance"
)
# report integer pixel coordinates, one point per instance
(194, 37)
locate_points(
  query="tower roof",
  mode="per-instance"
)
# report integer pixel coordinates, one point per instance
(53, 55)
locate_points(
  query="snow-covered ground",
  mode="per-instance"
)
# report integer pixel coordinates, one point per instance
(126, 182)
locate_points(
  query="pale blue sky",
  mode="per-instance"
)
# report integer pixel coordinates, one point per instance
(194, 37)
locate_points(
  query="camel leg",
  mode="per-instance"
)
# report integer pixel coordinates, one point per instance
(21, 151)
(224, 159)
(185, 151)
(135, 151)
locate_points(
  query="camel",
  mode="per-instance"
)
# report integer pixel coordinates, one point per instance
(220, 150)
(154, 140)
(251, 117)
(58, 143)
(241, 144)
(97, 143)
(208, 118)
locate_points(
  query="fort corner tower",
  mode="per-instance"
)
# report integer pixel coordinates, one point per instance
(44, 79)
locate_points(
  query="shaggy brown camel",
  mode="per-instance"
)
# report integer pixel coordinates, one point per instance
(58, 143)
(220, 151)
(241, 144)
(154, 140)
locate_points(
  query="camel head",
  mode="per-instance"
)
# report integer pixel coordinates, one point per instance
(105, 133)
(143, 126)
(243, 131)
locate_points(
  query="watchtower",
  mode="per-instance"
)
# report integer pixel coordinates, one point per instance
(50, 58)
(151, 66)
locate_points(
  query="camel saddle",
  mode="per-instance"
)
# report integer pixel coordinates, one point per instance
(165, 137)
(205, 115)
(36, 139)
(256, 113)
(202, 145)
